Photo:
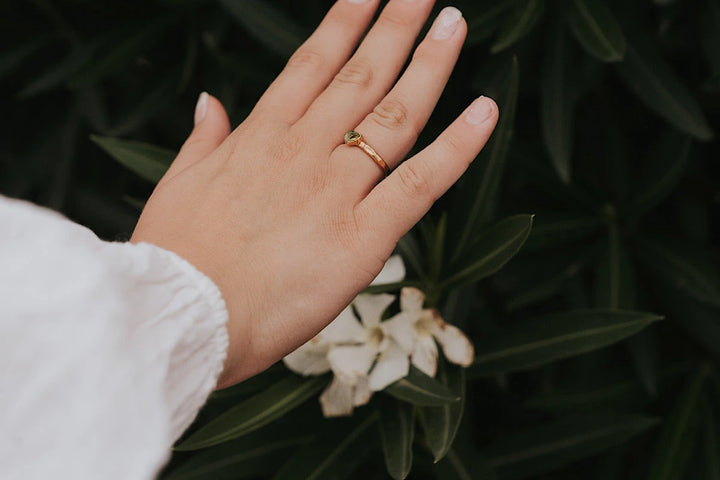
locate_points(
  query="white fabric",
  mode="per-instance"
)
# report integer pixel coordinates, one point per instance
(107, 350)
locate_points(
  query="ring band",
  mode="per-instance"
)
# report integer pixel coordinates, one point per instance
(353, 138)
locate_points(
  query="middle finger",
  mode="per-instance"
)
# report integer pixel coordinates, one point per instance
(371, 71)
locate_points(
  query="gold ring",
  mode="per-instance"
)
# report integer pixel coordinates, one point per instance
(353, 138)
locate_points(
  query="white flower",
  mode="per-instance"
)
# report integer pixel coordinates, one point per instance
(349, 348)
(415, 329)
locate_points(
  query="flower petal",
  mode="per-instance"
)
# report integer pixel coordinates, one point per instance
(370, 307)
(424, 357)
(456, 346)
(308, 359)
(350, 362)
(362, 392)
(337, 399)
(344, 329)
(392, 365)
(392, 272)
(411, 299)
(401, 328)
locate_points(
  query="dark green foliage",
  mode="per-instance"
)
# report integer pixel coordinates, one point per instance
(593, 212)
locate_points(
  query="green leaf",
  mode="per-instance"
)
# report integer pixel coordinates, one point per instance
(533, 343)
(609, 392)
(437, 247)
(518, 24)
(422, 390)
(268, 25)
(60, 72)
(557, 102)
(545, 448)
(675, 444)
(482, 26)
(397, 430)
(709, 15)
(148, 161)
(13, 57)
(684, 266)
(123, 48)
(255, 412)
(663, 172)
(468, 466)
(410, 250)
(596, 29)
(491, 250)
(549, 231)
(653, 81)
(711, 442)
(615, 284)
(335, 453)
(247, 457)
(487, 169)
(441, 423)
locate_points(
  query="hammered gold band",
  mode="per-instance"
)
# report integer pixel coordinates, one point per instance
(353, 138)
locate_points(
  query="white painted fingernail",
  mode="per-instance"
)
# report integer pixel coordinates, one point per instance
(446, 23)
(201, 107)
(480, 110)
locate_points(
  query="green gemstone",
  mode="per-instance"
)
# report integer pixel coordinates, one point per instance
(352, 136)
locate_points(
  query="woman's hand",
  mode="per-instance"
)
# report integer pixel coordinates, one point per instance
(286, 219)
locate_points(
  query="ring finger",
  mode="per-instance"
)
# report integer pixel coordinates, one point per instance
(394, 125)
(370, 72)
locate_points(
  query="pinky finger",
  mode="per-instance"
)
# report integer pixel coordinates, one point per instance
(400, 200)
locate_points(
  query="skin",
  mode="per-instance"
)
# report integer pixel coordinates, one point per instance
(288, 221)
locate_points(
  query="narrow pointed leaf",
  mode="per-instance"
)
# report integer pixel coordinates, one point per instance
(596, 29)
(677, 438)
(464, 466)
(255, 412)
(397, 431)
(551, 231)
(711, 441)
(664, 171)
(541, 449)
(533, 343)
(615, 283)
(441, 423)
(248, 457)
(422, 390)
(689, 269)
(483, 25)
(492, 249)
(334, 454)
(655, 84)
(488, 168)
(267, 24)
(557, 102)
(122, 49)
(518, 24)
(148, 161)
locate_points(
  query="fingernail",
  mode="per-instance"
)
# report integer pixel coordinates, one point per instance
(357, 1)
(480, 110)
(446, 23)
(201, 107)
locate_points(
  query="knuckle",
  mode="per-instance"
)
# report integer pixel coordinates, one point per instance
(356, 73)
(413, 181)
(392, 114)
(306, 58)
(393, 21)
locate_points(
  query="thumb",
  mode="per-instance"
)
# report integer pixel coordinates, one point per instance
(212, 126)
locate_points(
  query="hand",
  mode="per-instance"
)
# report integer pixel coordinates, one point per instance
(286, 219)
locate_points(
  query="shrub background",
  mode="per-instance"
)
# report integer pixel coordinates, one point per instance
(611, 148)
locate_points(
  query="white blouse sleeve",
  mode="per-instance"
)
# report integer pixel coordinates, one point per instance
(107, 350)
